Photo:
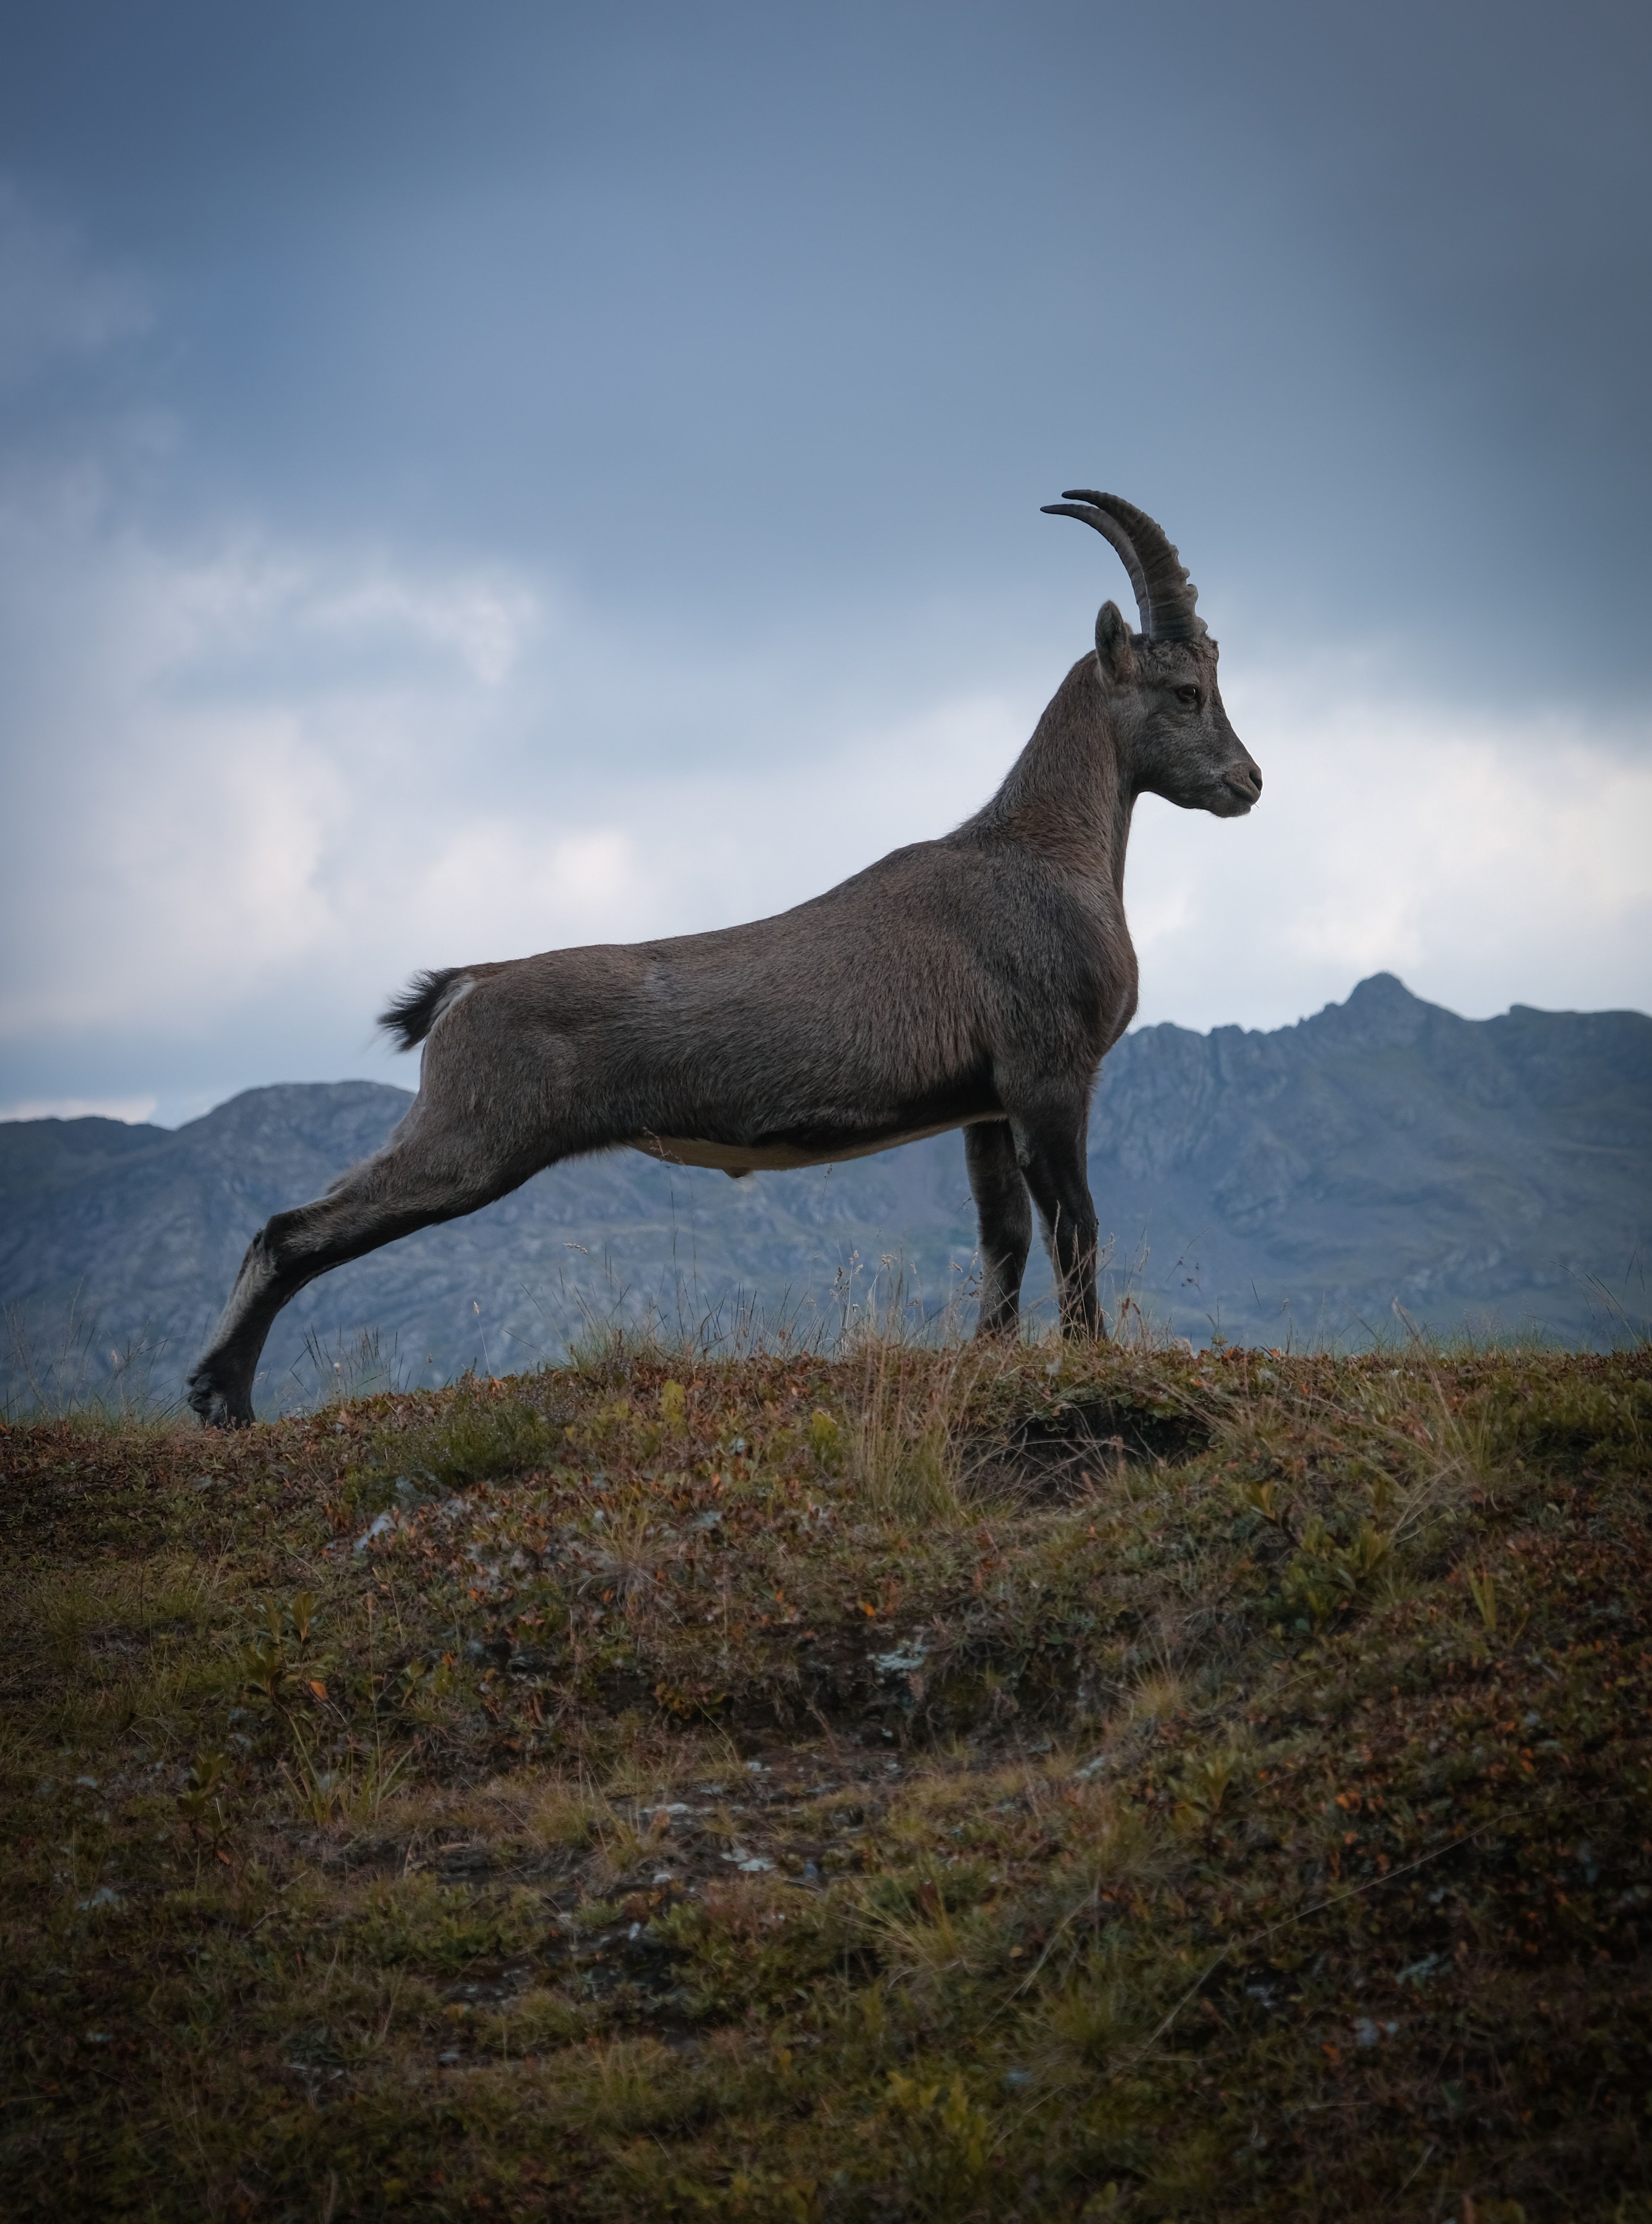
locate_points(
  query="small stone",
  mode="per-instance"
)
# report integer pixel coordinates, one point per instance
(376, 1527)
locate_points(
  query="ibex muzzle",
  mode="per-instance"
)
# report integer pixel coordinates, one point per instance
(974, 981)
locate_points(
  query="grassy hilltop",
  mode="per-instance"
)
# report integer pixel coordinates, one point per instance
(916, 1784)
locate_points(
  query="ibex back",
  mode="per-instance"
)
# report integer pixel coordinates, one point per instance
(974, 981)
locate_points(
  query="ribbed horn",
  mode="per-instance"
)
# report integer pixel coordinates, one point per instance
(1110, 529)
(1164, 594)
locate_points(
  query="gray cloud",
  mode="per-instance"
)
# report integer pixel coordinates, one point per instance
(533, 474)
(53, 305)
(739, 302)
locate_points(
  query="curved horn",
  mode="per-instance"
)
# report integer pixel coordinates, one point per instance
(1168, 597)
(1110, 529)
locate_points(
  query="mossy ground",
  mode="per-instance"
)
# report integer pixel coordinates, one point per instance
(919, 1785)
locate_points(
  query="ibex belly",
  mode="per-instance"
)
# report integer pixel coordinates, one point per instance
(783, 1153)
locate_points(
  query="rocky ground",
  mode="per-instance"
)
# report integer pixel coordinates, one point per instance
(916, 1784)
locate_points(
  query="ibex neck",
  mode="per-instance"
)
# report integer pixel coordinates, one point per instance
(1066, 794)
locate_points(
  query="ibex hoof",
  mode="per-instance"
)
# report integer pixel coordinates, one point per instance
(218, 1408)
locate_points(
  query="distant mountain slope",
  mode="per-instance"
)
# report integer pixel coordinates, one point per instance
(1384, 1149)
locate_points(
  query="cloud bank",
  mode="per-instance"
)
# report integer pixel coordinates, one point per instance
(263, 782)
(467, 489)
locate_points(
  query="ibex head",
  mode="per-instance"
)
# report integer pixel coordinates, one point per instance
(1173, 733)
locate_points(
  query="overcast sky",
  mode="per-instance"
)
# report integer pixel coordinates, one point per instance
(479, 477)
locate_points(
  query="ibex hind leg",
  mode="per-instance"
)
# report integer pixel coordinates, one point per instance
(420, 1178)
(1004, 1212)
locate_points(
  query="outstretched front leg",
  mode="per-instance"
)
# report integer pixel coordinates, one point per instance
(1051, 1132)
(1004, 1211)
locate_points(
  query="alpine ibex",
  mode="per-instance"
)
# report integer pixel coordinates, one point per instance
(975, 981)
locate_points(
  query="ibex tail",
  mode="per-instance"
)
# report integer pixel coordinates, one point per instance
(410, 1016)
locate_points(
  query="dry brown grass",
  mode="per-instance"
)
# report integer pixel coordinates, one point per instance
(925, 1784)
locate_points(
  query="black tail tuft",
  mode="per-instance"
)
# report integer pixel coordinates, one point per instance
(411, 1015)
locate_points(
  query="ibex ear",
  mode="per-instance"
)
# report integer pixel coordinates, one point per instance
(1113, 643)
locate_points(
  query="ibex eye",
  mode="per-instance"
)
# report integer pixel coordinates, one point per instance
(1190, 695)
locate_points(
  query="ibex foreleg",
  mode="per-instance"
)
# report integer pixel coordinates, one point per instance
(1050, 1148)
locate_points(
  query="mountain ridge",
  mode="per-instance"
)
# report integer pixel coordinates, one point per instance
(1297, 1180)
